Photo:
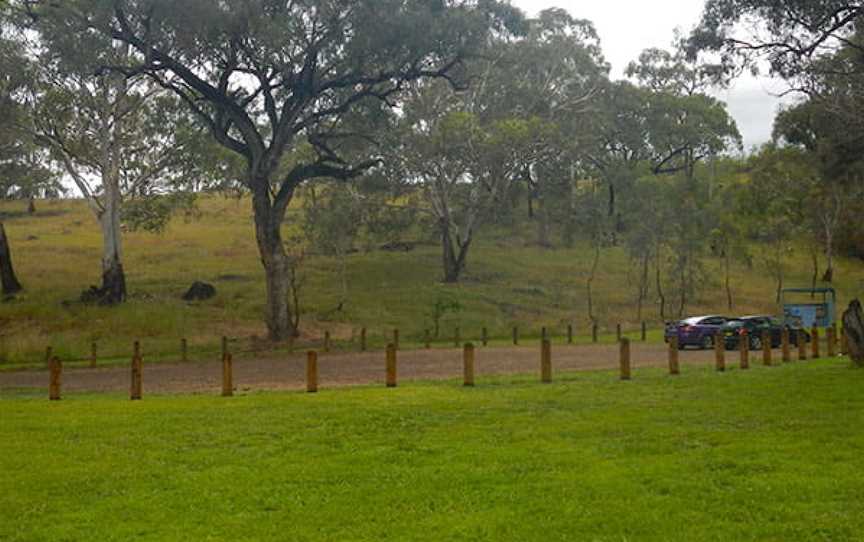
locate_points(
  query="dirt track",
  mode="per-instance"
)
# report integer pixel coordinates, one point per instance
(347, 369)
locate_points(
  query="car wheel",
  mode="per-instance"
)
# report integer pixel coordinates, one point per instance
(707, 342)
(755, 343)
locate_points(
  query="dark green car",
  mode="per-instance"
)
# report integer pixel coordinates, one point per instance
(755, 326)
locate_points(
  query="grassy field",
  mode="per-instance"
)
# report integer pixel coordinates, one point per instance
(769, 454)
(509, 282)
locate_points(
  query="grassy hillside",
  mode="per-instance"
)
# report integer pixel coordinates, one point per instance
(510, 282)
(768, 454)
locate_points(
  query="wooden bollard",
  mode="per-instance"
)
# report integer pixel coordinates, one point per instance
(391, 366)
(468, 364)
(594, 333)
(546, 362)
(644, 332)
(784, 338)
(674, 368)
(569, 333)
(93, 354)
(311, 371)
(184, 350)
(831, 335)
(484, 337)
(618, 332)
(363, 339)
(227, 375)
(814, 342)
(625, 359)
(802, 345)
(515, 336)
(457, 340)
(427, 338)
(55, 378)
(326, 341)
(719, 352)
(766, 348)
(135, 391)
(744, 347)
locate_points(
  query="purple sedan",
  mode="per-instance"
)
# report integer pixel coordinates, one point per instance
(698, 331)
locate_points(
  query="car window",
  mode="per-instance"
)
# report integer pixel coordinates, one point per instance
(715, 321)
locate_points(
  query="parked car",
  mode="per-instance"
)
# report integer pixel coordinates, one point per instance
(697, 331)
(734, 329)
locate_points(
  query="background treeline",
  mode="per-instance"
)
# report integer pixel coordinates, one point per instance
(485, 133)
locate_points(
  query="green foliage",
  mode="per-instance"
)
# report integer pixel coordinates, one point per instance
(152, 213)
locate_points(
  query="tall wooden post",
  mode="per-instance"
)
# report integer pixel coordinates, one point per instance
(674, 368)
(814, 342)
(719, 352)
(802, 345)
(831, 335)
(468, 364)
(546, 362)
(644, 332)
(625, 359)
(135, 391)
(55, 378)
(311, 371)
(787, 355)
(569, 333)
(363, 339)
(515, 336)
(484, 337)
(184, 350)
(766, 348)
(391, 366)
(94, 354)
(744, 347)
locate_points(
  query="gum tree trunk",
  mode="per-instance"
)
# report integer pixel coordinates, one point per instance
(275, 261)
(8, 280)
(113, 290)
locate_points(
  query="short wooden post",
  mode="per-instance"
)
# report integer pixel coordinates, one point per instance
(311, 371)
(468, 364)
(135, 392)
(644, 332)
(594, 333)
(719, 352)
(802, 344)
(391, 366)
(814, 342)
(674, 368)
(363, 339)
(396, 338)
(618, 332)
(227, 375)
(744, 347)
(427, 338)
(93, 354)
(457, 340)
(55, 378)
(326, 341)
(787, 355)
(569, 333)
(484, 337)
(831, 335)
(515, 336)
(546, 362)
(184, 350)
(625, 359)
(766, 348)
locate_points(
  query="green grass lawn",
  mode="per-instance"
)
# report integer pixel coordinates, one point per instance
(769, 454)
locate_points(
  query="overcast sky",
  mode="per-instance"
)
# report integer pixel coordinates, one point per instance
(626, 27)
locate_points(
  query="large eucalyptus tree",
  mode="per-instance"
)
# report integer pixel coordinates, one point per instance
(274, 79)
